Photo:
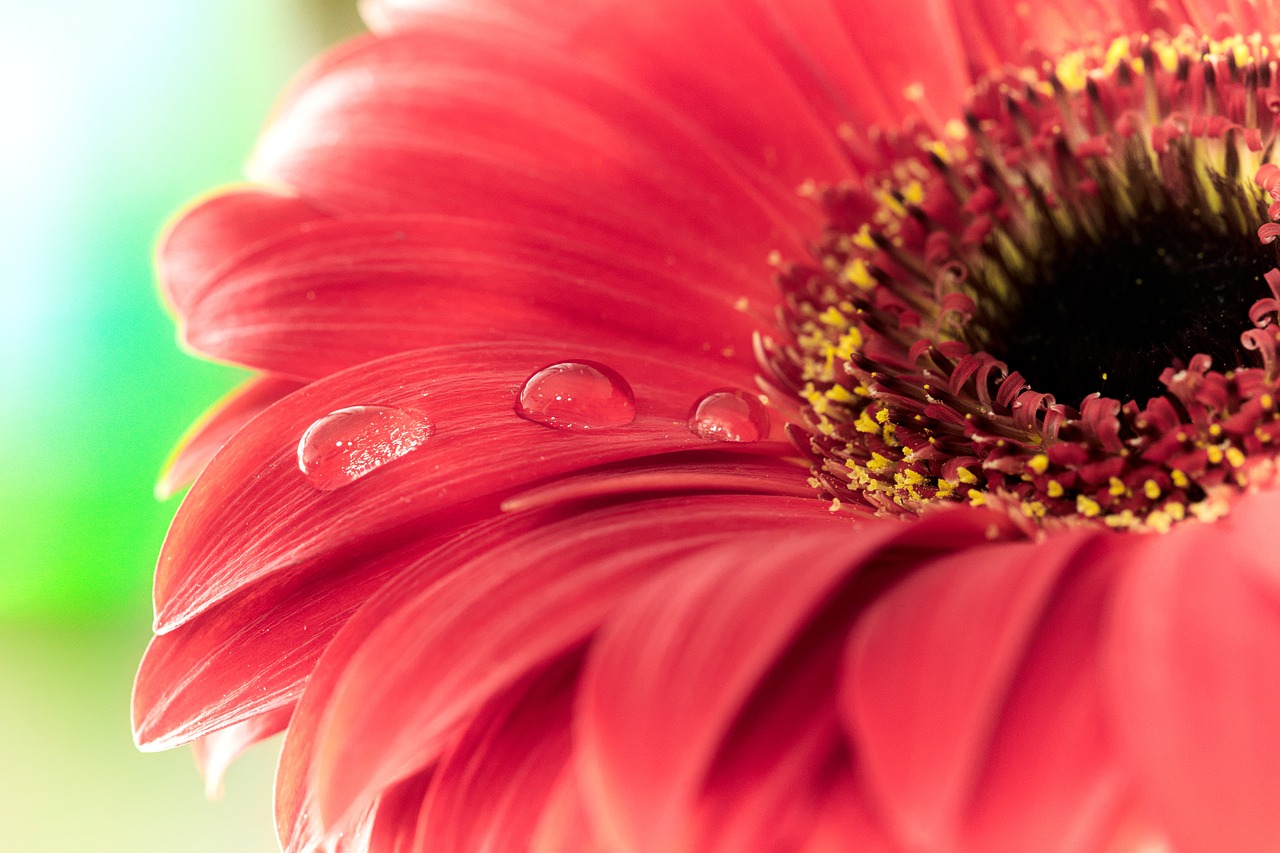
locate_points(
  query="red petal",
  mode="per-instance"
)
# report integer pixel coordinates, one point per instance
(432, 662)
(215, 428)
(329, 297)
(252, 652)
(253, 513)
(216, 752)
(217, 229)
(594, 155)
(679, 473)
(671, 673)
(845, 823)
(396, 819)
(1195, 679)
(490, 790)
(1053, 780)
(564, 825)
(930, 666)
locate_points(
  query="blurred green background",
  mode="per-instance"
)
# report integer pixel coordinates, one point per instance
(114, 115)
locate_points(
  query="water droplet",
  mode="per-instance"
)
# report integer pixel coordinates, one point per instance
(345, 445)
(577, 395)
(729, 415)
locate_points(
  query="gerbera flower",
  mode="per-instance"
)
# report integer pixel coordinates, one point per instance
(743, 425)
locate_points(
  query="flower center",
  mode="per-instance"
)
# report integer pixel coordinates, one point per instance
(1107, 312)
(1062, 308)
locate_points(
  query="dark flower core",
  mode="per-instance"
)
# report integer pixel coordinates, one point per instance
(1109, 314)
(1064, 307)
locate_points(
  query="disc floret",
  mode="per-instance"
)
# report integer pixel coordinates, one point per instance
(1061, 308)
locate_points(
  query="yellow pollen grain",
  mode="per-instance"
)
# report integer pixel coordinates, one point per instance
(840, 394)
(964, 475)
(1266, 401)
(909, 478)
(879, 463)
(863, 238)
(864, 424)
(1054, 489)
(913, 192)
(1179, 478)
(1242, 55)
(1159, 521)
(1215, 430)
(1235, 458)
(1039, 463)
(1176, 510)
(1116, 53)
(1167, 54)
(855, 272)
(1034, 509)
(955, 129)
(833, 317)
(1071, 71)
(1215, 454)
(939, 150)
(1087, 506)
(1121, 520)
(1116, 487)
(1151, 489)
(977, 498)
(882, 415)
(889, 202)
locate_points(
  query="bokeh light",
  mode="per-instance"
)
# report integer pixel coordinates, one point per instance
(116, 114)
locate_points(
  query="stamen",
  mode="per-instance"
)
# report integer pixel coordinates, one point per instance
(990, 333)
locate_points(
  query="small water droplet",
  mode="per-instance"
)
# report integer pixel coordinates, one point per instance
(729, 415)
(577, 395)
(345, 445)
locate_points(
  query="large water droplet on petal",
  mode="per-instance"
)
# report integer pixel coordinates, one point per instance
(729, 415)
(345, 445)
(577, 395)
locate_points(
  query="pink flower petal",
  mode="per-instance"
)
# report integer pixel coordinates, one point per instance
(253, 652)
(214, 230)
(1052, 779)
(701, 638)
(253, 513)
(216, 752)
(431, 663)
(396, 819)
(845, 822)
(215, 428)
(489, 791)
(930, 666)
(679, 473)
(661, 49)
(1194, 679)
(325, 298)
(593, 156)
(564, 824)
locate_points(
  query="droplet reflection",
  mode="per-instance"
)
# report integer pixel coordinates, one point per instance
(348, 444)
(577, 395)
(729, 415)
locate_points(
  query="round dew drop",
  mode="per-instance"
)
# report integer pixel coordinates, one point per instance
(348, 444)
(729, 415)
(577, 395)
